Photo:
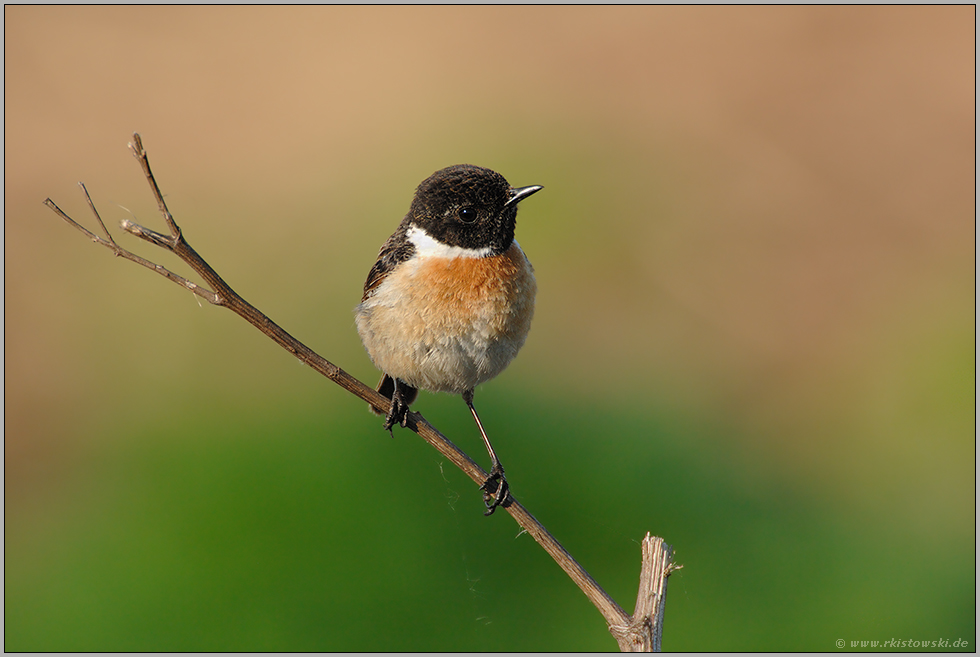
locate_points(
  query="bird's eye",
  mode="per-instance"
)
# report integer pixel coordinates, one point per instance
(467, 215)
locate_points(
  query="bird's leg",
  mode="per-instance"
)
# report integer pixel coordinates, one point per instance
(401, 397)
(495, 489)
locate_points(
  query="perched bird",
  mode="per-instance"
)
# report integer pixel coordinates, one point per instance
(448, 303)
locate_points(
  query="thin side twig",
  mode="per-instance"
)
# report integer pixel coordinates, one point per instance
(628, 632)
(117, 250)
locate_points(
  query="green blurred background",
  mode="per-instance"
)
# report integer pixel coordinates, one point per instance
(754, 333)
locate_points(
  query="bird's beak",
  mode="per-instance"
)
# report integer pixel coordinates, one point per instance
(518, 194)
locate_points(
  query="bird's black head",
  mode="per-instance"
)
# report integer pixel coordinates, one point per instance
(469, 207)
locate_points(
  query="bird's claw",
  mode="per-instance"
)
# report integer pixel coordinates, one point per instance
(496, 490)
(398, 414)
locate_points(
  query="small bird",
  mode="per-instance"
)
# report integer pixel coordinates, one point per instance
(448, 303)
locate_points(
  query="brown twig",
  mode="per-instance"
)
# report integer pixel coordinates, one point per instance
(641, 631)
(644, 632)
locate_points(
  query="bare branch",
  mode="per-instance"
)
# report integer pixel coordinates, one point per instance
(140, 153)
(642, 631)
(129, 255)
(645, 629)
(91, 206)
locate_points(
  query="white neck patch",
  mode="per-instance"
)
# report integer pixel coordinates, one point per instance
(428, 246)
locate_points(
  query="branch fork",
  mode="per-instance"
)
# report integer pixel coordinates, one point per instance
(641, 632)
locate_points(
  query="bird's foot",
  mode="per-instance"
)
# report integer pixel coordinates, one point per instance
(496, 490)
(398, 413)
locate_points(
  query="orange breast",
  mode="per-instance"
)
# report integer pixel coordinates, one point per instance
(449, 324)
(496, 290)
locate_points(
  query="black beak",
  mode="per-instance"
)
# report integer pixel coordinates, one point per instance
(518, 194)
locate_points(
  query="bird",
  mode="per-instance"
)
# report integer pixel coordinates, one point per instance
(448, 302)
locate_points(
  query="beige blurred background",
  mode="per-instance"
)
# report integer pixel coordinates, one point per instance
(765, 215)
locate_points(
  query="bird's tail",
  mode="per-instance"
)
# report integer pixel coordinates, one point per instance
(387, 388)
